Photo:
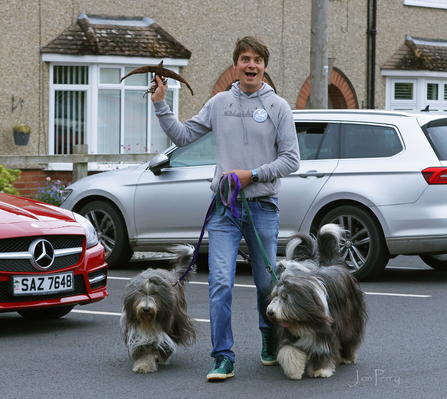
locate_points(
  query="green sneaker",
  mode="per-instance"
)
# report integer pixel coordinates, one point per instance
(268, 354)
(223, 368)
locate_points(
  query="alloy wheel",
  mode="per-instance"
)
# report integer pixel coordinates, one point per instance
(105, 229)
(355, 247)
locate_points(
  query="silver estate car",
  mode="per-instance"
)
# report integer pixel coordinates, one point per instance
(382, 175)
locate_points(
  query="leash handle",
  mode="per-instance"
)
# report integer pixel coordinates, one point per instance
(224, 195)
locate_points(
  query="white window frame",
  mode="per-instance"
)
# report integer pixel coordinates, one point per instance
(426, 3)
(420, 79)
(403, 105)
(95, 63)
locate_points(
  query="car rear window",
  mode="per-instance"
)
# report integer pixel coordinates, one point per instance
(369, 141)
(436, 132)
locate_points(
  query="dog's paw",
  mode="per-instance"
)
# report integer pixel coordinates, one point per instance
(145, 366)
(293, 361)
(321, 373)
(348, 361)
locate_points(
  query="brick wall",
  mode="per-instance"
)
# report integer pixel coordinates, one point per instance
(341, 93)
(31, 179)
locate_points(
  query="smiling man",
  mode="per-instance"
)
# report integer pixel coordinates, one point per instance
(255, 139)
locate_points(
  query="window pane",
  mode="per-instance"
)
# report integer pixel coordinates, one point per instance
(139, 79)
(135, 122)
(201, 152)
(364, 141)
(159, 141)
(309, 138)
(437, 132)
(432, 91)
(403, 91)
(329, 146)
(109, 121)
(70, 110)
(70, 75)
(110, 75)
(445, 92)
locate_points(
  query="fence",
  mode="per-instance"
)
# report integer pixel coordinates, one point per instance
(80, 160)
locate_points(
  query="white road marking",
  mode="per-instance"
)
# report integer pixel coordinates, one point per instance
(119, 314)
(118, 278)
(404, 295)
(96, 312)
(191, 282)
(253, 286)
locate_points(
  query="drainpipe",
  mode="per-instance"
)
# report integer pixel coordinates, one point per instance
(371, 53)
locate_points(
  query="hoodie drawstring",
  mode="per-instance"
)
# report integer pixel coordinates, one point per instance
(242, 116)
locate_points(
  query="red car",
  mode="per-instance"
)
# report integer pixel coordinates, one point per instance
(50, 259)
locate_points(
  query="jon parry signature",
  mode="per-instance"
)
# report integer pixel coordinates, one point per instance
(378, 377)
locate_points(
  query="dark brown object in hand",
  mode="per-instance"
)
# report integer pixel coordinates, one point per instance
(161, 72)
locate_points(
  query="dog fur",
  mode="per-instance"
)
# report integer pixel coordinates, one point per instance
(154, 318)
(317, 307)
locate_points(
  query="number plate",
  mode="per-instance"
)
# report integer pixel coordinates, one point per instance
(43, 284)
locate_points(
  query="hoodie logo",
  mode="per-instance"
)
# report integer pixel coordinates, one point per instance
(260, 115)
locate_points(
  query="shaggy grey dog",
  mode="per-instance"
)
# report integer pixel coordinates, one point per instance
(154, 319)
(317, 306)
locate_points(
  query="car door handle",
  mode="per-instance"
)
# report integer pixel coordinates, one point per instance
(210, 179)
(311, 173)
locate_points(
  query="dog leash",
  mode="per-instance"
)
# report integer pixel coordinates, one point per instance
(196, 252)
(229, 199)
(226, 197)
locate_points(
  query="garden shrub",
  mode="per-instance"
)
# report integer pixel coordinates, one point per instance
(7, 179)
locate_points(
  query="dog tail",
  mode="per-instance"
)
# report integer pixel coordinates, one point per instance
(328, 240)
(301, 247)
(181, 263)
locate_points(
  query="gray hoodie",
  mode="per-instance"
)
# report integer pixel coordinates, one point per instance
(245, 138)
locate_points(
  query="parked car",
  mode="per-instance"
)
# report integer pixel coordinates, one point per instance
(50, 259)
(382, 175)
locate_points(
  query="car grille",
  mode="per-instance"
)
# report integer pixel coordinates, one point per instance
(6, 296)
(98, 273)
(10, 246)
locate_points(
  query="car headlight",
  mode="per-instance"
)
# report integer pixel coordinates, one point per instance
(65, 194)
(90, 232)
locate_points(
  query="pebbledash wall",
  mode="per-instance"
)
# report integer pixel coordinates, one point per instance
(209, 29)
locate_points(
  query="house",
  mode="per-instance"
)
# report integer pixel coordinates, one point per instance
(61, 65)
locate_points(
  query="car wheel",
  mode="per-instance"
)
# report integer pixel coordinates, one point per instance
(438, 262)
(112, 232)
(364, 248)
(45, 314)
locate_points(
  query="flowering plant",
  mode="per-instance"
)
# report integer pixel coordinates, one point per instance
(51, 192)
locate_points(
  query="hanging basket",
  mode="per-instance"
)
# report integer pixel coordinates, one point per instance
(21, 138)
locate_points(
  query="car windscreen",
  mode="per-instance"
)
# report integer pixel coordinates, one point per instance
(436, 132)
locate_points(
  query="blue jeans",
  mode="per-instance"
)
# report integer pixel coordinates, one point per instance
(225, 233)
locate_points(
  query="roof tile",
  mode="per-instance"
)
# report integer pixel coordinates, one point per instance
(118, 36)
(419, 54)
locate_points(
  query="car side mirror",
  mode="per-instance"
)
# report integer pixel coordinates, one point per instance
(158, 162)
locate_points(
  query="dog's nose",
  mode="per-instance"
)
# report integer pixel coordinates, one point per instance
(270, 312)
(147, 309)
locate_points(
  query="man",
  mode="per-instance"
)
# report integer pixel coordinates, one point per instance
(256, 139)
